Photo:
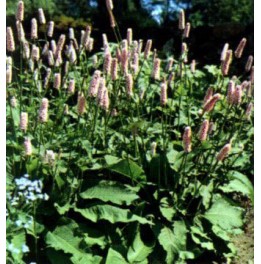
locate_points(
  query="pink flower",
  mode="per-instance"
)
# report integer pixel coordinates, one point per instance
(129, 84)
(81, 104)
(187, 139)
(20, 11)
(93, 89)
(41, 16)
(43, 112)
(10, 44)
(34, 29)
(209, 105)
(224, 152)
(226, 63)
(107, 64)
(23, 121)
(224, 52)
(50, 29)
(186, 31)
(249, 63)
(181, 20)
(163, 94)
(129, 36)
(28, 146)
(208, 95)
(237, 95)
(230, 92)
(147, 49)
(156, 69)
(203, 132)
(240, 48)
(71, 87)
(249, 111)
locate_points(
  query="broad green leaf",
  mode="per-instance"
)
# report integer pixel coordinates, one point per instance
(128, 168)
(224, 215)
(109, 191)
(114, 257)
(57, 256)
(110, 160)
(206, 193)
(167, 211)
(62, 209)
(201, 238)
(32, 166)
(110, 213)
(63, 238)
(138, 251)
(239, 183)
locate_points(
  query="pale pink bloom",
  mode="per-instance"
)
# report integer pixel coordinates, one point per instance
(109, 5)
(224, 152)
(43, 111)
(154, 54)
(240, 48)
(153, 148)
(203, 132)
(135, 65)
(20, 11)
(187, 30)
(105, 40)
(13, 102)
(49, 157)
(187, 139)
(59, 59)
(26, 50)
(107, 64)
(193, 66)
(53, 46)
(135, 46)
(129, 84)
(45, 49)
(23, 121)
(81, 104)
(181, 20)
(129, 36)
(90, 45)
(124, 44)
(66, 67)
(71, 33)
(95, 81)
(57, 81)
(50, 29)
(237, 96)
(20, 31)
(10, 44)
(34, 29)
(101, 90)
(94, 61)
(28, 146)
(124, 61)
(184, 52)
(105, 100)
(230, 92)
(249, 63)
(50, 58)
(163, 94)
(226, 63)
(72, 55)
(208, 95)
(140, 45)
(35, 54)
(71, 87)
(171, 77)
(209, 105)
(249, 111)
(169, 65)
(156, 69)
(47, 77)
(224, 52)
(9, 75)
(147, 49)
(41, 16)
(118, 54)
(114, 69)
(60, 45)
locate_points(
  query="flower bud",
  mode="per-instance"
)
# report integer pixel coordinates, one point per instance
(23, 121)
(94, 85)
(184, 52)
(57, 81)
(101, 90)
(193, 66)
(114, 69)
(124, 61)
(71, 33)
(249, 63)
(252, 75)
(49, 157)
(203, 132)
(81, 104)
(10, 44)
(45, 49)
(107, 64)
(163, 94)
(50, 58)
(50, 29)
(140, 46)
(153, 148)
(129, 36)
(186, 31)
(105, 100)
(26, 50)
(147, 49)
(109, 5)
(181, 20)
(13, 102)
(20, 31)
(249, 111)
(20, 11)
(135, 65)
(43, 111)
(112, 20)
(187, 139)
(208, 95)
(129, 85)
(60, 45)
(9, 75)
(35, 54)
(47, 77)
(209, 105)
(41, 16)
(240, 48)
(224, 52)
(28, 146)
(237, 95)
(156, 70)
(230, 92)
(169, 65)
(226, 63)
(71, 87)
(66, 109)
(34, 29)
(224, 152)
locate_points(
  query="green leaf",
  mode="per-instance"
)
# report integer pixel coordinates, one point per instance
(114, 257)
(206, 193)
(138, 251)
(173, 241)
(110, 160)
(201, 238)
(166, 209)
(110, 213)
(63, 238)
(239, 183)
(109, 191)
(224, 215)
(32, 166)
(128, 168)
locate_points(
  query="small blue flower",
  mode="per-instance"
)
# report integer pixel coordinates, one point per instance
(25, 248)
(18, 222)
